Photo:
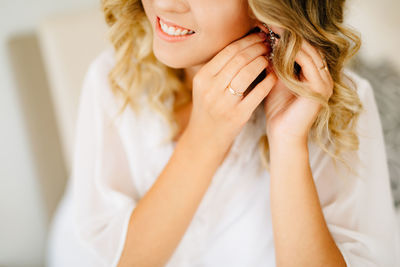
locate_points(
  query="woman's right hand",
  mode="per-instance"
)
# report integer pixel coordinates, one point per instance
(216, 113)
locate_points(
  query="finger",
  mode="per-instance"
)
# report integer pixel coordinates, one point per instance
(238, 62)
(254, 98)
(225, 55)
(309, 69)
(248, 74)
(317, 58)
(312, 74)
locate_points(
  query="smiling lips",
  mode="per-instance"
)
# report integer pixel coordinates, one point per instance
(173, 29)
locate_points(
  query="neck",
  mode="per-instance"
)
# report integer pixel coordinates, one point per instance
(190, 72)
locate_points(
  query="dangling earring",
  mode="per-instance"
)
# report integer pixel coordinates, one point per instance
(272, 37)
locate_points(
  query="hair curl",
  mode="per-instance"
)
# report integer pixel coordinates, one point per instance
(318, 22)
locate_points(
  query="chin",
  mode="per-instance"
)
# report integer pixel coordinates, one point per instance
(173, 60)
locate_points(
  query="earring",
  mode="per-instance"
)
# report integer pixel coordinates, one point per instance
(272, 37)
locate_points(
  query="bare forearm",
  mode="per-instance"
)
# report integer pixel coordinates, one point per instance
(301, 235)
(162, 216)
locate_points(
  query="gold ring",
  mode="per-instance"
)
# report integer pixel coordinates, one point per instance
(234, 92)
(324, 66)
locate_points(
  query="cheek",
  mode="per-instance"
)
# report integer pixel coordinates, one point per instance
(225, 23)
(148, 10)
(231, 31)
(146, 7)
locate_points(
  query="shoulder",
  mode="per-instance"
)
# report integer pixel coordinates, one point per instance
(100, 66)
(97, 73)
(370, 118)
(97, 79)
(368, 122)
(360, 84)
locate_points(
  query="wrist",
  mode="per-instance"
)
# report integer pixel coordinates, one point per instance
(202, 143)
(288, 144)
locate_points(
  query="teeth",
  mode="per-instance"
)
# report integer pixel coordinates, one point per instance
(177, 32)
(173, 31)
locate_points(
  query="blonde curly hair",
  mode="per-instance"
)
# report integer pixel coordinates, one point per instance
(318, 22)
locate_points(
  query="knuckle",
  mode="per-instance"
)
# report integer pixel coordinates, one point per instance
(232, 49)
(241, 58)
(224, 76)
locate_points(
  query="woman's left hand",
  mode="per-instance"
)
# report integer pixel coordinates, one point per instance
(289, 118)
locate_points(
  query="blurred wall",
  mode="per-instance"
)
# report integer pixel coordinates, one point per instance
(379, 24)
(23, 221)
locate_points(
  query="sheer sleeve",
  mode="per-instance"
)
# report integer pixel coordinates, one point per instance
(102, 189)
(359, 211)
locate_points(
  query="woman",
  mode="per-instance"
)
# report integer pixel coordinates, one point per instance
(232, 80)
